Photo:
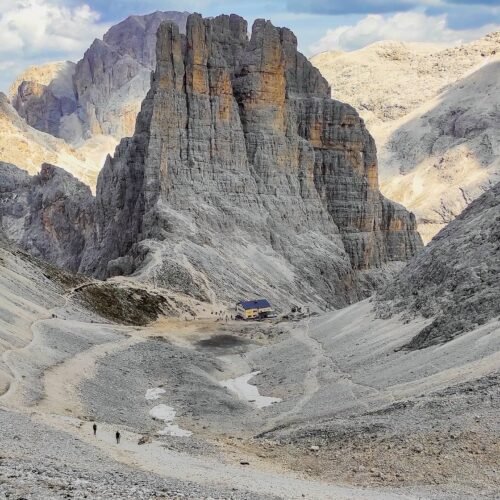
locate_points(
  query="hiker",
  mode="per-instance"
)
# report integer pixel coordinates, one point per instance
(117, 437)
(95, 428)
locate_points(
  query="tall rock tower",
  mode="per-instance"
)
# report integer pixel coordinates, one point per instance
(243, 177)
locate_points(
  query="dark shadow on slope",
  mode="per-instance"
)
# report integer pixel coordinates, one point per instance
(128, 306)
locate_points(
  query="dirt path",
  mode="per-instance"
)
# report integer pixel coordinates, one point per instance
(61, 398)
(154, 457)
(11, 393)
(61, 382)
(322, 364)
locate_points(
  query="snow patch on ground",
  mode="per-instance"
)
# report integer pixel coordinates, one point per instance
(167, 414)
(248, 392)
(153, 394)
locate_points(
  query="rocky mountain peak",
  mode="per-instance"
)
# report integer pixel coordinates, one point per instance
(243, 176)
(101, 94)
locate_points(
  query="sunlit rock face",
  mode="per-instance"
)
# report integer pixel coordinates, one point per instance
(434, 112)
(244, 177)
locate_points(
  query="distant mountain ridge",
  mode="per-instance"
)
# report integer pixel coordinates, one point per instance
(433, 112)
(103, 91)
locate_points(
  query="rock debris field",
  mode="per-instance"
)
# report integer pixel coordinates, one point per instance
(349, 416)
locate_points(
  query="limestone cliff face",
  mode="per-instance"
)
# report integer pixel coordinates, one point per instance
(41, 108)
(244, 177)
(49, 215)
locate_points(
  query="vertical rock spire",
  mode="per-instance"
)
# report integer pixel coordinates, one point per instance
(243, 176)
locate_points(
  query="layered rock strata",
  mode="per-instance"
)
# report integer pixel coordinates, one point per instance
(244, 177)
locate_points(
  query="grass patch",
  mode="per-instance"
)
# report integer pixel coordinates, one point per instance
(127, 306)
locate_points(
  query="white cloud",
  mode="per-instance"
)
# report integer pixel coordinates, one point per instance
(34, 31)
(405, 26)
(38, 26)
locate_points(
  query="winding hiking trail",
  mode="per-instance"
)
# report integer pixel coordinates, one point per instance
(61, 408)
(12, 388)
(11, 393)
(61, 382)
(322, 364)
(61, 398)
(155, 457)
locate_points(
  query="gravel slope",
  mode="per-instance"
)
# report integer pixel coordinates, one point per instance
(359, 417)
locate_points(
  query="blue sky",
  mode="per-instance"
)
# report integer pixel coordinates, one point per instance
(37, 31)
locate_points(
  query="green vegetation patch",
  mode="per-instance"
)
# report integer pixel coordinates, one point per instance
(128, 306)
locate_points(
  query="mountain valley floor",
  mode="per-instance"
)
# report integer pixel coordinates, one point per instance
(355, 417)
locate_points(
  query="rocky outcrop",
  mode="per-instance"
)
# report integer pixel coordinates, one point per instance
(46, 106)
(49, 215)
(454, 280)
(244, 177)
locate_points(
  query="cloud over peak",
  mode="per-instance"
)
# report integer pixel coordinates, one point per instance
(403, 26)
(35, 26)
(32, 31)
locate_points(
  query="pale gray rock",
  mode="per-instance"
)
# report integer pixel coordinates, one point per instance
(45, 106)
(243, 173)
(455, 279)
(38, 461)
(114, 75)
(14, 188)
